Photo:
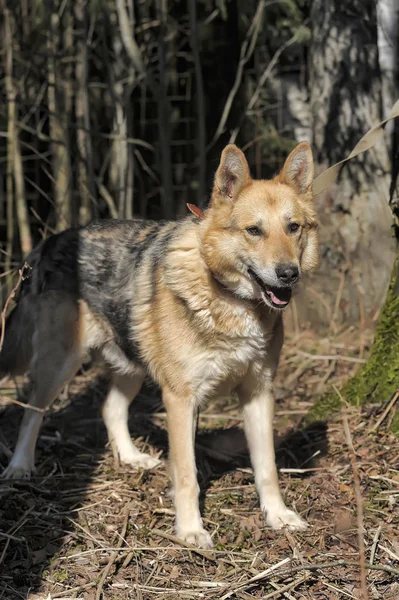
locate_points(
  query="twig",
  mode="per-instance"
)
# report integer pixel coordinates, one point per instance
(262, 575)
(261, 84)
(338, 563)
(386, 411)
(337, 301)
(285, 588)
(375, 543)
(246, 51)
(332, 357)
(339, 590)
(11, 537)
(24, 273)
(14, 529)
(286, 594)
(114, 555)
(359, 504)
(76, 589)
(176, 540)
(9, 400)
(389, 552)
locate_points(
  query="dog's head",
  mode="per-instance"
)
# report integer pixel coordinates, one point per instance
(261, 236)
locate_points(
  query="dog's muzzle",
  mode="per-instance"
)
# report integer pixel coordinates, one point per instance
(276, 296)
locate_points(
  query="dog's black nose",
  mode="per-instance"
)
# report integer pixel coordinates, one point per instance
(287, 273)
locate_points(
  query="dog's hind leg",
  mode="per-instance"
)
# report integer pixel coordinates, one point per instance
(56, 358)
(115, 412)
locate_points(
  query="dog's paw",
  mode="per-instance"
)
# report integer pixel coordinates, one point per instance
(199, 538)
(284, 518)
(18, 471)
(141, 461)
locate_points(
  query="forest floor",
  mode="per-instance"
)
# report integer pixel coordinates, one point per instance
(86, 527)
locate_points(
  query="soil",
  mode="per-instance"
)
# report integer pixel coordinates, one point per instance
(86, 527)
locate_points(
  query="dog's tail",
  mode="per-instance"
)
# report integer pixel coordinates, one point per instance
(16, 352)
(51, 266)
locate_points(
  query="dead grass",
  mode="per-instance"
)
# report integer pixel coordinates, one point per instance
(85, 527)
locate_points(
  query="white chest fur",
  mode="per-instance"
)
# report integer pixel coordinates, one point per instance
(220, 366)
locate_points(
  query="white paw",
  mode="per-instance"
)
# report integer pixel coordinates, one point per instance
(199, 538)
(284, 518)
(141, 461)
(18, 471)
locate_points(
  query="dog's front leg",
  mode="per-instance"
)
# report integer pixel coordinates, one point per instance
(257, 403)
(181, 414)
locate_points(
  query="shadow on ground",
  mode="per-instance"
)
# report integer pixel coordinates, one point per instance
(36, 517)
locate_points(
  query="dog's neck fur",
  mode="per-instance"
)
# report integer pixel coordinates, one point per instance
(213, 305)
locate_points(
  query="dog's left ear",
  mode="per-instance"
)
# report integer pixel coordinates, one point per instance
(298, 170)
(232, 173)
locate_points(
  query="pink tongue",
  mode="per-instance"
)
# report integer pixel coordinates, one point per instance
(276, 300)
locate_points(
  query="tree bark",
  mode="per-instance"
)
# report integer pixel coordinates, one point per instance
(378, 380)
(14, 159)
(83, 133)
(357, 248)
(62, 177)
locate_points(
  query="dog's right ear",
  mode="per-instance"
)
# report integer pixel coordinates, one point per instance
(232, 174)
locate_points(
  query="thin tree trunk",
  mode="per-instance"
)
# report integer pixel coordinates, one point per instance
(119, 148)
(20, 199)
(83, 135)
(59, 139)
(159, 93)
(14, 161)
(377, 381)
(200, 103)
(10, 145)
(164, 116)
(129, 197)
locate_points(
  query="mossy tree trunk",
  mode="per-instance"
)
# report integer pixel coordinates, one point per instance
(378, 380)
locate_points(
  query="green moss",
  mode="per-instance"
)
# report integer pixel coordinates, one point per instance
(378, 379)
(395, 424)
(59, 576)
(323, 408)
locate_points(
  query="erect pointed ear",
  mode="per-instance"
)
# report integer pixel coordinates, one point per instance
(298, 170)
(232, 173)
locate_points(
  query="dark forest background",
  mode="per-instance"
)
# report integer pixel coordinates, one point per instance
(121, 109)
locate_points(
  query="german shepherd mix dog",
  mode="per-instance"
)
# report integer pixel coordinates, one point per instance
(196, 303)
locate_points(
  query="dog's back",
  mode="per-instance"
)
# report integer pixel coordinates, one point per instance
(100, 265)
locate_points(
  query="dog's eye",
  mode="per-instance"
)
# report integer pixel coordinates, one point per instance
(293, 227)
(253, 230)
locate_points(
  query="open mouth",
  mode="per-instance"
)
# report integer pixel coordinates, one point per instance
(278, 297)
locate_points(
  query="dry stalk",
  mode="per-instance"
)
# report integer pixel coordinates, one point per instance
(386, 411)
(172, 538)
(359, 504)
(261, 83)
(246, 52)
(114, 555)
(331, 565)
(22, 404)
(375, 544)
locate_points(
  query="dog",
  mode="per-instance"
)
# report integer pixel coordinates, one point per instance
(196, 303)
